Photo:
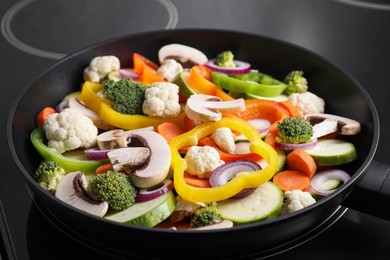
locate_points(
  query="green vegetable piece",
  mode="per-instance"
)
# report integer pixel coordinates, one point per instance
(181, 80)
(255, 83)
(296, 82)
(148, 213)
(294, 130)
(113, 187)
(264, 203)
(49, 174)
(205, 216)
(225, 59)
(126, 96)
(69, 163)
(329, 152)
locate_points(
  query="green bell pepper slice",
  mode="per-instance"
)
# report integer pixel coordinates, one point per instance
(251, 83)
(70, 161)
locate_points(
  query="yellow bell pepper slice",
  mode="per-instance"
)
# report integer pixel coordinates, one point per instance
(94, 102)
(241, 181)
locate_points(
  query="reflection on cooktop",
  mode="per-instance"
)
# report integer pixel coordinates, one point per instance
(370, 4)
(91, 21)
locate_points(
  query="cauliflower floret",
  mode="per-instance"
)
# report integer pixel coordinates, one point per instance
(202, 160)
(296, 200)
(184, 208)
(225, 139)
(307, 102)
(169, 69)
(100, 66)
(69, 130)
(162, 100)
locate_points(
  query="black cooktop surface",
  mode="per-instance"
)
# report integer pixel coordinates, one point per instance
(37, 33)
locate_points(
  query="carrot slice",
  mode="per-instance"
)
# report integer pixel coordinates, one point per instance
(291, 180)
(300, 160)
(270, 138)
(43, 114)
(104, 168)
(196, 181)
(169, 130)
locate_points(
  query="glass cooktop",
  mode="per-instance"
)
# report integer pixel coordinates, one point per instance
(37, 33)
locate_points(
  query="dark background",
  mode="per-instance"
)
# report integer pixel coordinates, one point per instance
(37, 33)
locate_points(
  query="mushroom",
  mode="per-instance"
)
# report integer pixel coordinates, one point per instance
(74, 103)
(115, 138)
(72, 190)
(156, 169)
(217, 225)
(185, 55)
(129, 158)
(202, 107)
(345, 126)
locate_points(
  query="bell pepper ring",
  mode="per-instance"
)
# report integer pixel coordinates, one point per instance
(241, 181)
(94, 102)
(252, 83)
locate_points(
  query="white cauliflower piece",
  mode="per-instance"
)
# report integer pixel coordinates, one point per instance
(69, 130)
(225, 139)
(296, 200)
(202, 160)
(184, 208)
(162, 100)
(169, 69)
(100, 66)
(307, 102)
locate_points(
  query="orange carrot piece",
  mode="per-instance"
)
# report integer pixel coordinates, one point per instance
(300, 160)
(293, 109)
(43, 114)
(104, 168)
(169, 130)
(196, 181)
(146, 68)
(291, 180)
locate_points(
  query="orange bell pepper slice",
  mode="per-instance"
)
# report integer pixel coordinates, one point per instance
(200, 80)
(146, 68)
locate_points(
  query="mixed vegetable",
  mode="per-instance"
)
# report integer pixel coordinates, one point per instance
(190, 142)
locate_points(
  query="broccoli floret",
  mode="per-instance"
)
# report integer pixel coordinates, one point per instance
(206, 215)
(225, 59)
(113, 187)
(294, 130)
(126, 95)
(296, 82)
(49, 174)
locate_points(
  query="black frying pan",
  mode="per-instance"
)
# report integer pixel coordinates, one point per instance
(344, 96)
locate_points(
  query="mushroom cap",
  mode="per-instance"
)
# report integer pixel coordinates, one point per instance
(346, 126)
(158, 165)
(70, 191)
(185, 55)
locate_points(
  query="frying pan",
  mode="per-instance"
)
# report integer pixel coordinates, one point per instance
(343, 95)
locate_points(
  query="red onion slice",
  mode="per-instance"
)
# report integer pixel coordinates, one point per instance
(128, 73)
(242, 67)
(320, 178)
(225, 172)
(287, 146)
(262, 125)
(96, 154)
(63, 104)
(146, 194)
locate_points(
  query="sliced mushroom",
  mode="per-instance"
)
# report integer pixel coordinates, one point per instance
(71, 190)
(217, 225)
(157, 167)
(346, 126)
(202, 107)
(74, 103)
(324, 128)
(129, 158)
(185, 55)
(115, 138)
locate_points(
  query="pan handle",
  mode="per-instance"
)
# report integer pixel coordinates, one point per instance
(371, 194)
